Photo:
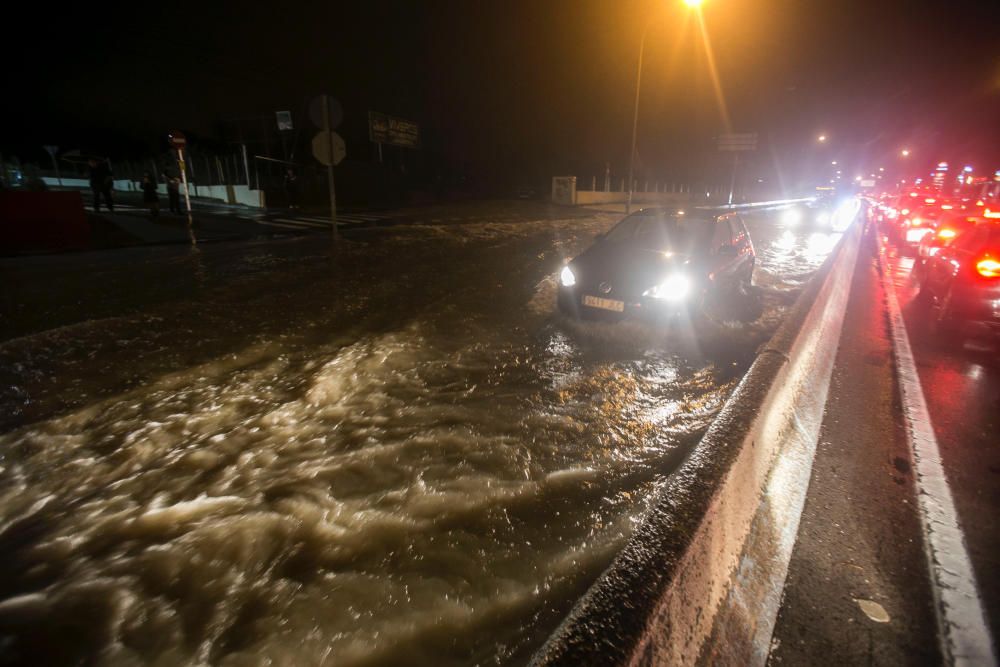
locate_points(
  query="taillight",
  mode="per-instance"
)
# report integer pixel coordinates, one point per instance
(946, 234)
(988, 268)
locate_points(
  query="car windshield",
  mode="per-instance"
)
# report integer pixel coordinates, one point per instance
(659, 230)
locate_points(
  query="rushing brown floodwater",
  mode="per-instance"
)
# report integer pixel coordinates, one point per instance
(427, 469)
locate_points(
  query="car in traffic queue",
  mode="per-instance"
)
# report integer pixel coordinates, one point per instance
(950, 226)
(955, 220)
(659, 263)
(898, 210)
(962, 280)
(913, 224)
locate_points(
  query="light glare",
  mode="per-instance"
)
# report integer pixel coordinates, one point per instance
(566, 277)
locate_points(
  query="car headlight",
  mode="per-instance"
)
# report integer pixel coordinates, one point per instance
(675, 288)
(823, 218)
(791, 217)
(567, 278)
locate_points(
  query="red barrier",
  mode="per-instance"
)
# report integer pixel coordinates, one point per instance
(42, 221)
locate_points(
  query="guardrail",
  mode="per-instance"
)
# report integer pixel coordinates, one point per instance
(701, 579)
(776, 203)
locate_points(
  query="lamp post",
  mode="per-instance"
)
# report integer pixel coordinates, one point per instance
(635, 111)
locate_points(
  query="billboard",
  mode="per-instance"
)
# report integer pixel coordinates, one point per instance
(385, 129)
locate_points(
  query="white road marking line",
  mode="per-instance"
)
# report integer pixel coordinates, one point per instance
(278, 224)
(303, 223)
(963, 633)
(342, 217)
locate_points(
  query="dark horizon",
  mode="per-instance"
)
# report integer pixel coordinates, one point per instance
(523, 88)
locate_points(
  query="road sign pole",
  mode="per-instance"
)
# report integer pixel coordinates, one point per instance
(329, 168)
(184, 180)
(732, 181)
(635, 121)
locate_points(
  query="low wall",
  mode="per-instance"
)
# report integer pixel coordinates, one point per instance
(229, 194)
(584, 197)
(700, 581)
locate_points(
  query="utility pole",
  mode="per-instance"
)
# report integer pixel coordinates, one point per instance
(329, 167)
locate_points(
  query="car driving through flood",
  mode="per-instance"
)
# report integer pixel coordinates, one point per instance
(661, 263)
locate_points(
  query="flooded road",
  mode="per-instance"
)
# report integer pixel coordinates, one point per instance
(398, 454)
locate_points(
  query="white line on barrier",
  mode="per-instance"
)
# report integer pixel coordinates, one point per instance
(962, 630)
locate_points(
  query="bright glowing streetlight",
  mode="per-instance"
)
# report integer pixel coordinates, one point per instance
(821, 138)
(834, 163)
(694, 4)
(905, 152)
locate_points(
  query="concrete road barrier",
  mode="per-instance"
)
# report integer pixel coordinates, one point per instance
(700, 581)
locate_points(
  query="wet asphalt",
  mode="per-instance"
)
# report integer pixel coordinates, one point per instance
(960, 377)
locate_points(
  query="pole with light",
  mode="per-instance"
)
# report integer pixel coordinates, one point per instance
(696, 4)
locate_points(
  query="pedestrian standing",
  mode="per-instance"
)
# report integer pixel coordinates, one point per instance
(149, 196)
(292, 188)
(101, 183)
(173, 192)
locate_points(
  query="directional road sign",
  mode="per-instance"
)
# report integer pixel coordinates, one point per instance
(737, 142)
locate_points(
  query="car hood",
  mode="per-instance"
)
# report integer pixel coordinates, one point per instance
(620, 271)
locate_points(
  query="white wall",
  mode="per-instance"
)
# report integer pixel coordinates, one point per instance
(584, 197)
(229, 194)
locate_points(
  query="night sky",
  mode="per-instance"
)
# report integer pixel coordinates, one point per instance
(534, 87)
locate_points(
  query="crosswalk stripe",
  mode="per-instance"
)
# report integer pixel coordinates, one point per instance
(278, 224)
(351, 217)
(303, 223)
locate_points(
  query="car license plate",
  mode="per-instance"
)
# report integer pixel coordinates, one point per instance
(606, 304)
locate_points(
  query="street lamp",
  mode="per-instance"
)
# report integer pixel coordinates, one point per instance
(694, 4)
(821, 138)
(905, 152)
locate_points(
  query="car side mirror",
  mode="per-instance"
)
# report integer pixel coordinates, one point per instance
(727, 251)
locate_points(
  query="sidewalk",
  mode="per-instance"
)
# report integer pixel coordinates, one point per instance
(858, 589)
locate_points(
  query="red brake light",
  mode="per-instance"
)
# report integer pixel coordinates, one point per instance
(930, 200)
(991, 214)
(946, 233)
(988, 268)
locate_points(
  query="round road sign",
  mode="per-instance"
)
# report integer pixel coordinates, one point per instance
(336, 112)
(177, 139)
(321, 145)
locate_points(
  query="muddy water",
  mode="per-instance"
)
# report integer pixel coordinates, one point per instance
(395, 456)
